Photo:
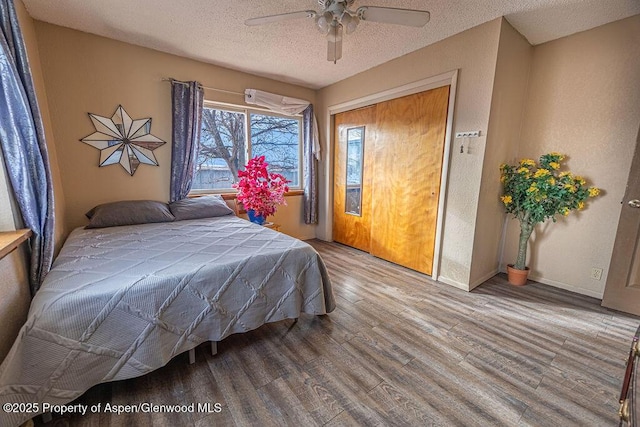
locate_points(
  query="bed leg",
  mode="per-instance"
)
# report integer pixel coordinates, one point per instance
(192, 356)
(46, 417)
(292, 325)
(214, 348)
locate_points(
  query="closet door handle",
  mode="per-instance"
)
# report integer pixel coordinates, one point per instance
(635, 203)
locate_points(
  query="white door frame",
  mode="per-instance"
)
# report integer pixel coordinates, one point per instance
(449, 78)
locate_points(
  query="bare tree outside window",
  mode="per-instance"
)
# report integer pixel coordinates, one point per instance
(277, 139)
(223, 148)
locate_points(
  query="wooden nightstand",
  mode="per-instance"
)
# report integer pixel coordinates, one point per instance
(272, 225)
(9, 240)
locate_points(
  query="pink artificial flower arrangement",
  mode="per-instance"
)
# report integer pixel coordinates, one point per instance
(260, 190)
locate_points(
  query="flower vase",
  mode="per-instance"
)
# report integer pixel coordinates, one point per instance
(257, 219)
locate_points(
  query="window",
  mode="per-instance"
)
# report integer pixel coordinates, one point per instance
(229, 137)
(6, 211)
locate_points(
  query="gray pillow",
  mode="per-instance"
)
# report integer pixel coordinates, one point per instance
(200, 207)
(128, 212)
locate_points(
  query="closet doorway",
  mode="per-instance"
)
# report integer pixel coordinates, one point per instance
(387, 174)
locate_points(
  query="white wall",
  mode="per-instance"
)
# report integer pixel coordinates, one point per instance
(27, 25)
(503, 136)
(583, 100)
(473, 52)
(15, 295)
(85, 73)
(578, 95)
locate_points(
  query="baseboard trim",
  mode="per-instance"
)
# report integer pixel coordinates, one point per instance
(483, 279)
(565, 286)
(453, 283)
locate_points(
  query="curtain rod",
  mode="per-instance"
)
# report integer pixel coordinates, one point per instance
(165, 79)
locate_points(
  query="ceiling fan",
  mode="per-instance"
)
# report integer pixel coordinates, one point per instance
(336, 17)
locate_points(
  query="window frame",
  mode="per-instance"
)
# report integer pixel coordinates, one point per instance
(7, 200)
(247, 111)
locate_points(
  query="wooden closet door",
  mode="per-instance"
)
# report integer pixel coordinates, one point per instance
(353, 229)
(406, 184)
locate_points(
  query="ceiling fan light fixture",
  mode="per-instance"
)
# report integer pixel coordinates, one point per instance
(324, 22)
(350, 23)
(336, 17)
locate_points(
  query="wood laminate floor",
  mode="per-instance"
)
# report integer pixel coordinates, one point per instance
(399, 350)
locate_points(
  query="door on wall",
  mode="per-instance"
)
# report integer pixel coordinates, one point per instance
(622, 291)
(401, 158)
(354, 134)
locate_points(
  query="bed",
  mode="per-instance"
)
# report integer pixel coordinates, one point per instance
(122, 301)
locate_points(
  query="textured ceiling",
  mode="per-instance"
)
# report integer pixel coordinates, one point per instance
(213, 31)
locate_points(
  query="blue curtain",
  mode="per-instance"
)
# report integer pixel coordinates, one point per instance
(23, 144)
(310, 165)
(187, 100)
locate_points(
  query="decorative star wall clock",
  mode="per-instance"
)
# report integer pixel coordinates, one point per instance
(123, 140)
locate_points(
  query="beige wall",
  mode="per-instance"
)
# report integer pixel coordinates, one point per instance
(86, 73)
(473, 52)
(503, 136)
(583, 100)
(27, 25)
(15, 296)
(577, 95)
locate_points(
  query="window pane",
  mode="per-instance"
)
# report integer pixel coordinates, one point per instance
(222, 149)
(355, 164)
(278, 140)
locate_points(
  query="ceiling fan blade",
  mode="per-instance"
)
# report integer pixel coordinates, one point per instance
(391, 15)
(281, 17)
(334, 43)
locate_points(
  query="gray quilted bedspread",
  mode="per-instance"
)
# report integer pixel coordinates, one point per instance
(122, 301)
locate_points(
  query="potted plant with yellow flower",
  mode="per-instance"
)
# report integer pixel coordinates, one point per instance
(536, 192)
